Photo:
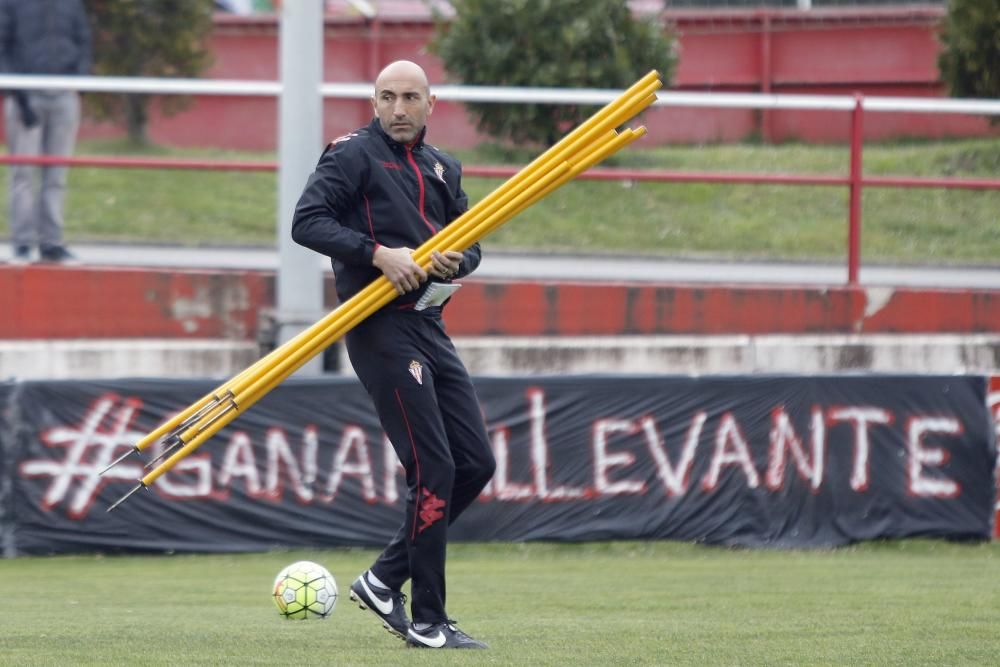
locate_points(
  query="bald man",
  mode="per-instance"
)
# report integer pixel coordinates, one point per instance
(376, 194)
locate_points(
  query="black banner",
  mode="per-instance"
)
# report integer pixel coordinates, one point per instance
(756, 461)
(8, 466)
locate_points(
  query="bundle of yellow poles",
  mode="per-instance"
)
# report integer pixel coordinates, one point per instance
(594, 140)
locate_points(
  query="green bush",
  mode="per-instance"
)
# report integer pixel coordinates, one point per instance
(548, 43)
(146, 38)
(970, 58)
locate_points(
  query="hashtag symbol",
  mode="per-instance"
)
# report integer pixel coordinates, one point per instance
(89, 448)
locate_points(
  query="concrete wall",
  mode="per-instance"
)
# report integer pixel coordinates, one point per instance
(699, 355)
(103, 322)
(94, 302)
(696, 355)
(113, 358)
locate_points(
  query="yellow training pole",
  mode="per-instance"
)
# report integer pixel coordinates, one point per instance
(247, 378)
(259, 386)
(211, 413)
(379, 293)
(647, 84)
(348, 307)
(288, 366)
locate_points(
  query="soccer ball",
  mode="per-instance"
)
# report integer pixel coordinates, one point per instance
(305, 590)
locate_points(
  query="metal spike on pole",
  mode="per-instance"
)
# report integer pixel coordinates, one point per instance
(134, 450)
(118, 502)
(177, 442)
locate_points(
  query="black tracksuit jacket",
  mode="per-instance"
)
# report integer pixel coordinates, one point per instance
(369, 190)
(366, 190)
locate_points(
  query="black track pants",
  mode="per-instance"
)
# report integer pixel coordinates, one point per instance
(429, 410)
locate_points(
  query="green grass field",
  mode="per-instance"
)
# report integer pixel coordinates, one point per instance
(654, 603)
(680, 220)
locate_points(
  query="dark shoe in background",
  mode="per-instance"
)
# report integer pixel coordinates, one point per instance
(22, 254)
(57, 254)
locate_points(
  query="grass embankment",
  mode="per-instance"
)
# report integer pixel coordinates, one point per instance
(694, 219)
(655, 603)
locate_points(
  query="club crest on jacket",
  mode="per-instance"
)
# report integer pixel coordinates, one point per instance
(417, 371)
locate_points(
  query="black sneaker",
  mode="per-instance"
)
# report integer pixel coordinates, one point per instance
(441, 635)
(57, 254)
(22, 254)
(389, 606)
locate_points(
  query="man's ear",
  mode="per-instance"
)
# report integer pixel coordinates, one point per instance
(430, 104)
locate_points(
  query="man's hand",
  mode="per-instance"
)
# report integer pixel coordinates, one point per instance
(445, 265)
(399, 268)
(28, 116)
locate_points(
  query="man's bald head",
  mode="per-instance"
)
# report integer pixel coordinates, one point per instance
(402, 70)
(402, 100)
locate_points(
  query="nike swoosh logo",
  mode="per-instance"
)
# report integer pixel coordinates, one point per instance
(384, 608)
(436, 641)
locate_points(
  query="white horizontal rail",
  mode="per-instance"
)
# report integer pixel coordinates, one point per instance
(149, 86)
(932, 105)
(500, 94)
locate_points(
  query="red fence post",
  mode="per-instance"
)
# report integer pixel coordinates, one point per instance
(854, 214)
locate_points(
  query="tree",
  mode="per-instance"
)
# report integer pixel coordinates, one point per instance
(547, 43)
(146, 38)
(970, 59)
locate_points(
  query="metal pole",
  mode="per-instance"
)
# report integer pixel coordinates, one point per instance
(854, 214)
(300, 138)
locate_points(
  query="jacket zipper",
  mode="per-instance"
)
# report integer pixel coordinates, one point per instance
(420, 183)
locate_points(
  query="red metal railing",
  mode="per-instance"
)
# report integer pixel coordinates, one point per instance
(855, 180)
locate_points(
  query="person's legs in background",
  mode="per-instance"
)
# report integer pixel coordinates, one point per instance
(61, 121)
(21, 202)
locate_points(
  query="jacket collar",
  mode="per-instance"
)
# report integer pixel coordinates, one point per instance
(376, 127)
